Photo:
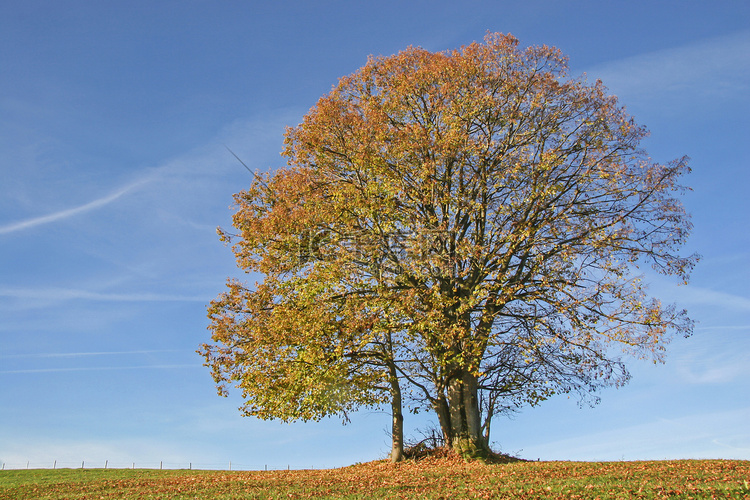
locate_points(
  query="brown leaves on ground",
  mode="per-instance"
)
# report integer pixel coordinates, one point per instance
(432, 477)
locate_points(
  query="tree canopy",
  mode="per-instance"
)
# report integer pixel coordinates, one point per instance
(459, 231)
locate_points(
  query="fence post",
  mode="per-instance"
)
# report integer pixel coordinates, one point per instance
(27, 465)
(82, 464)
(230, 465)
(105, 464)
(161, 465)
(54, 466)
(190, 467)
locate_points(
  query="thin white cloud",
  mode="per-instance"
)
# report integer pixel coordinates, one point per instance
(716, 68)
(194, 178)
(714, 357)
(46, 451)
(693, 295)
(56, 294)
(84, 354)
(709, 435)
(718, 374)
(64, 214)
(724, 328)
(703, 365)
(102, 368)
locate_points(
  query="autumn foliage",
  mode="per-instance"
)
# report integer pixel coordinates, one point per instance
(457, 231)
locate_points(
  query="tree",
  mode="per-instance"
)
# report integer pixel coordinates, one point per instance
(468, 223)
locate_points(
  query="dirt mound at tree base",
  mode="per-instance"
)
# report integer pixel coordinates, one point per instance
(421, 451)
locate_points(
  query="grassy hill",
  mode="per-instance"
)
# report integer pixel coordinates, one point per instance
(431, 478)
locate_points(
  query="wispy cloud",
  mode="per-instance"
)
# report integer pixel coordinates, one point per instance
(703, 364)
(56, 294)
(722, 372)
(709, 435)
(188, 185)
(84, 354)
(715, 357)
(696, 296)
(46, 449)
(715, 68)
(70, 212)
(102, 368)
(725, 328)
(706, 297)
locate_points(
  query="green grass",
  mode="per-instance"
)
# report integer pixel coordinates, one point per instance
(430, 478)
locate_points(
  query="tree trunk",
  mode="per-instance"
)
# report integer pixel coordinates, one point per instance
(440, 405)
(465, 417)
(489, 411)
(486, 429)
(397, 426)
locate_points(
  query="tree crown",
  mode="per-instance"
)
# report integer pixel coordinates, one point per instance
(474, 213)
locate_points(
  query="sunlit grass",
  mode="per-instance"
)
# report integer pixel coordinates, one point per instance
(429, 478)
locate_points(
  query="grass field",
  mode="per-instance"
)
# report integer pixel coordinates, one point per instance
(429, 478)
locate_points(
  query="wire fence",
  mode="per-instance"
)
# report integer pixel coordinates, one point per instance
(106, 464)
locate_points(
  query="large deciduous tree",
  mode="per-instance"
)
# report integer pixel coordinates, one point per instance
(466, 223)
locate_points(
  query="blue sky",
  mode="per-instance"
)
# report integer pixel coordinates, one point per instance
(114, 176)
